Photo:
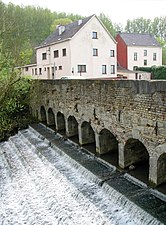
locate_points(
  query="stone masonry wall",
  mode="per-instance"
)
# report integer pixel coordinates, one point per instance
(130, 106)
(129, 109)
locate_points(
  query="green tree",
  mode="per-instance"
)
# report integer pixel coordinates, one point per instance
(108, 24)
(159, 72)
(13, 96)
(139, 25)
(159, 27)
(163, 45)
(61, 21)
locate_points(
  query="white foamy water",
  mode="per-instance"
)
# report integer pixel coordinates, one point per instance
(34, 191)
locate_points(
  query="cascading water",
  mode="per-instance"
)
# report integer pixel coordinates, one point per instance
(41, 185)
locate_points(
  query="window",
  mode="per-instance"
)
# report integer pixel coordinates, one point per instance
(104, 69)
(64, 52)
(145, 62)
(56, 54)
(35, 71)
(154, 56)
(112, 69)
(94, 35)
(32, 71)
(81, 68)
(26, 68)
(112, 53)
(145, 53)
(40, 71)
(135, 56)
(44, 56)
(60, 67)
(95, 52)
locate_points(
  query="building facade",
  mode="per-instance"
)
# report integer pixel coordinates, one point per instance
(138, 50)
(83, 48)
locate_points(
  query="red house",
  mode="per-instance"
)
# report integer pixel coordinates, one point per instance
(138, 50)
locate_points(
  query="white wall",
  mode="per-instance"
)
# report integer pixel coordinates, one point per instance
(82, 50)
(52, 62)
(140, 76)
(28, 70)
(141, 57)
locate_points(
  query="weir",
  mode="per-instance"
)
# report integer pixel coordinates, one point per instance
(48, 180)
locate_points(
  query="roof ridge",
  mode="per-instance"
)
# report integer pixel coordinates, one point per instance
(70, 30)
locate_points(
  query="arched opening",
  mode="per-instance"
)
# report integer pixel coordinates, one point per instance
(108, 147)
(161, 171)
(51, 119)
(73, 129)
(136, 159)
(88, 137)
(43, 115)
(61, 123)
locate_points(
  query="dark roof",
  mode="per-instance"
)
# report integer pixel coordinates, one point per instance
(132, 39)
(122, 69)
(70, 30)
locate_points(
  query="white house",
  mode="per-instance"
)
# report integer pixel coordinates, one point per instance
(138, 50)
(83, 48)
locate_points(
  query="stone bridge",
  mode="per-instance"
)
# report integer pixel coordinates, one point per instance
(122, 119)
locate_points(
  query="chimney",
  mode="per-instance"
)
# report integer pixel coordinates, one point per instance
(79, 22)
(61, 29)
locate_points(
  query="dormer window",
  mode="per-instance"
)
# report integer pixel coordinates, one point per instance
(94, 35)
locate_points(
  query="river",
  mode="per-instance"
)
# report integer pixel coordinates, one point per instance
(39, 185)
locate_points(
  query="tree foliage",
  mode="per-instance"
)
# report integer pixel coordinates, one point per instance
(13, 96)
(163, 45)
(157, 72)
(61, 21)
(108, 24)
(157, 27)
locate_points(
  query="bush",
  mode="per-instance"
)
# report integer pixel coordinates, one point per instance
(14, 98)
(157, 72)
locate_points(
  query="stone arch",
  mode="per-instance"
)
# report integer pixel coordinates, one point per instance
(107, 147)
(136, 158)
(43, 114)
(107, 141)
(134, 152)
(87, 134)
(72, 130)
(61, 123)
(161, 169)
(51, 118)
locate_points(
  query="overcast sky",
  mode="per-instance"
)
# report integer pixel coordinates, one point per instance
(117, 10)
